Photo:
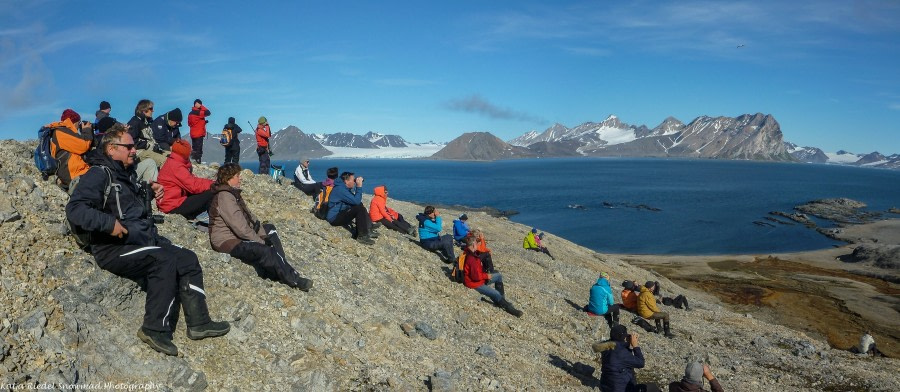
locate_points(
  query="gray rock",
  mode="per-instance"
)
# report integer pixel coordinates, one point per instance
(882, 256)
(443, 381)
(35, 322)
(408, 329)
(760, 342)
(486, 351)
(425, 330)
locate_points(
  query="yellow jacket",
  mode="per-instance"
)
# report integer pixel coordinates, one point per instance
(529, 242)
(646, 304)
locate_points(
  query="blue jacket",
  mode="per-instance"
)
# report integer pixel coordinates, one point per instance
(428, 228)
(601, 297)
(342, 198)
(460, 230)
(617, 367)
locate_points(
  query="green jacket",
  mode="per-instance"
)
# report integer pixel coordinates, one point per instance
(529, 242)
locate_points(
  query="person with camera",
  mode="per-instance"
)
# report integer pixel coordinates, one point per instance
(149, 155)
(694, 374)
(124, 240)
(430, 225)
(71, 140)
(619, 356)
(345, 206)
(233, 229)
(197, 122)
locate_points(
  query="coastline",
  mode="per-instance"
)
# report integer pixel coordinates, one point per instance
(814, 291)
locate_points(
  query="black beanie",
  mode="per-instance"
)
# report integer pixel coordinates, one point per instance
(231, 120)
(196, 101)
(174, 115)
(628, 285)
(104, 105)
(618, 333)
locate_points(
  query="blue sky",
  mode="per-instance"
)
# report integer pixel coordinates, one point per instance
(829, 71)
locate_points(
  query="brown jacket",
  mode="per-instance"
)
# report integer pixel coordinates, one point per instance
(230, 221)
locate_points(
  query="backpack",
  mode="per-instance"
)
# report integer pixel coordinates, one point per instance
(44, 160)
(456, 274)
(83, 237)
(227, 137)
(321, 209)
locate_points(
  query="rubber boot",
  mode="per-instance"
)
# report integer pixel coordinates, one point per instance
(615, 319)
(159, 341)
(196, 314)
(659, 327)
(668, 331)
(509, 308)
(499, 287)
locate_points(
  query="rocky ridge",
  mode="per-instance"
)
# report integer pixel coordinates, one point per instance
(384, 317)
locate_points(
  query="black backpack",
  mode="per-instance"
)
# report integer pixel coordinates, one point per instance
(83, 237)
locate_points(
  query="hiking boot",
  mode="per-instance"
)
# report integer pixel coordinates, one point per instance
(668, 332)
(509, 308)
(209, 330)
(374, 234)
(302, 284)
(365, 240)
(159, 341)
(659, 326)
(412, 231)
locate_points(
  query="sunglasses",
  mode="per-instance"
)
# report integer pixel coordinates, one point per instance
(127, 146)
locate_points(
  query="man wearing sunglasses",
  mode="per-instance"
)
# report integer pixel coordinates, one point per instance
(109, 203)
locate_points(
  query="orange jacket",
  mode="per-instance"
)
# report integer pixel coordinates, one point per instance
(629, 300)
(71, 144)
(263, 133)
(378, 208)
(481, 244)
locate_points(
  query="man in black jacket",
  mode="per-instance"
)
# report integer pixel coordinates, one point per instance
(124, 241)
(166, 129)
(233, 150)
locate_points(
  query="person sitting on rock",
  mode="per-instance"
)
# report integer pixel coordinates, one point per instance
(460, 229)
(474, 277)
(619, 356)
(430, 237)
(345, 206)
(379, 212)
(630, 296)
(694, 373)
(531, 242)
(484, 253)
(646, 308)
(866, 346)
(185, 194)
(71, 140)
(303, 180)
(125, 241)
(166, 129)
(601, 301)
(680, 301)
(330, 175)
(233, 229)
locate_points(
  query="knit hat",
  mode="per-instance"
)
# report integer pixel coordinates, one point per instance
(105, 124)
(181, 147)
(533, 230)
(196, 101)
(693, 373)
(463, 217)
(649, 283)
(231, 120)
(104, 105)
(618, 333)
(628, 285)
(604, 275)
(174, 115)
(71, 115)
(262, 120)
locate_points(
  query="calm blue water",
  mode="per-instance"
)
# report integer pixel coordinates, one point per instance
(707, 206)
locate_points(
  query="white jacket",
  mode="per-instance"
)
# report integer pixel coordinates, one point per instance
(307, 179)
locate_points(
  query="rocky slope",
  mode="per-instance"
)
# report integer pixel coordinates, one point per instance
(481, 146)
(384, 317)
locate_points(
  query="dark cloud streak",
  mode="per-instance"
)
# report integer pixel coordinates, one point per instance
(477, 104)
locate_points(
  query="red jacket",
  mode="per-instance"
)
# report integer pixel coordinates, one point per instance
(473, 272)
(179, 182)
(378, 208)
(197, 121)
(263, 133)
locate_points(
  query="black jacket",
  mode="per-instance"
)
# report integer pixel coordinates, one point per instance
(135, 125)
(617, 367)
(235, 141)
(163, 134)
(85, 207)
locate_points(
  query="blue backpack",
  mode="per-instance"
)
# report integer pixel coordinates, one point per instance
(43, 156)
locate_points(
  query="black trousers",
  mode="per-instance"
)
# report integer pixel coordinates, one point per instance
(487, 263)
(233, 152)
(356, 214)
(398, 224)
(194, 205)
(309, 189)
(269, 259)
(679, 302)
(264, 163)
(443, 243)
(542, 249)
(165, 268)
(196, 148)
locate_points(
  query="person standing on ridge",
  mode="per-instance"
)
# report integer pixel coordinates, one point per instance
(197, 121)
(231, 142)
(263, 133)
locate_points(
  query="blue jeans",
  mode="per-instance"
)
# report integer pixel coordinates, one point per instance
(489, 291)
(443, 243)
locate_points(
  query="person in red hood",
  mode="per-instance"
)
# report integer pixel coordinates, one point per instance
(184, 193)
(197, 121)
(387, 216)
(263, 133)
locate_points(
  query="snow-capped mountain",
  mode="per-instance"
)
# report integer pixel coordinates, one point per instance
(385, 140)
(806, 154)
(344, 139)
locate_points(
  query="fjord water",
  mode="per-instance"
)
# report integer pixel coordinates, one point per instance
(706, 206)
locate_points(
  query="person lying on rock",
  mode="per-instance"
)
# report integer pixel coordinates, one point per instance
(532, 242)
(646, 308)
(474, 277)
(124, 241)
(430, 237)
(345, 206)
(679, 301)
(602, 303)
(184, 193)
(379, 212)
(694, 373)
(619, 356)
(233, 229)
